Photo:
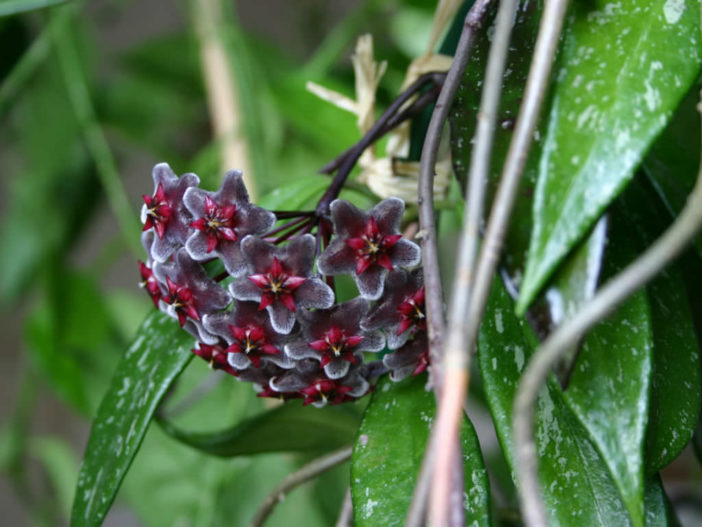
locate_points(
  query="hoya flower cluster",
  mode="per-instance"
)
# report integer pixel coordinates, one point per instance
(263, 314)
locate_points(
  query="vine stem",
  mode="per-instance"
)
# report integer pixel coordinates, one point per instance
(456, 355)
(297, 478)
(432, 279)
(618, 289)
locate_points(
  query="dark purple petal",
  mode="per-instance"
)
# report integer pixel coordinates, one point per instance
(370, 283)
(314, 294)
(282, 318)
(246, 290)
(337, 368)
(405, 253)
(349, 221)
(337, 258)
(388, 213)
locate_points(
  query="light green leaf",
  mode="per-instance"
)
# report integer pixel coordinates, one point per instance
(157, 356)
(388, 454)
(625, 66)
(13, 7)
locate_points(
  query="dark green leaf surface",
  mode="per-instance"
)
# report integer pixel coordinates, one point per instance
(673, 162)
(388, 454)
(610, 385)
(675, 390)
(288, 428)
(576, 484)
(624, 68)
(157, 356)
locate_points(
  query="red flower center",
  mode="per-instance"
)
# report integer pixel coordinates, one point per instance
(158, 211)
(216, 358)
(277, 284)
(336, 344)
(372, 247)
(326, 390)
(412, 313)
(182, 300)
(149, 282)
(217, 224)
(251, 341)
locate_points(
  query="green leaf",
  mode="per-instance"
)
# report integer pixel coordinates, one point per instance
(13, 7)
(287, 428)
(297, 195)
(624, 69)
(157, 356)
(610, 385)
(576, 485)
(675, 391)
(388, 454)
(673, 161)
(61, 466)
(577, 278)
(63, 333)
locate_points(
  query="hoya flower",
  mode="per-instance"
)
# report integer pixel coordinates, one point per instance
(318, 390)
(334, 337)
(221, 220)
(165, 213)
(281, 280)
(191, 293)
(249, 335)
(410, 359)
(368, 245)
(216, 356)
(150, 283)
(400, 311)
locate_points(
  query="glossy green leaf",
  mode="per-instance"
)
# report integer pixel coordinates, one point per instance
(159, 353)
(13, 7)
(576, 485)
(610, 385)
(576, 279)
(287, 428)
(296, 195)
(675, 390)
(625, 66)
(388, 454)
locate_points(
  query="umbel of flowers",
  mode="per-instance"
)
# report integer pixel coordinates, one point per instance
(258, 308)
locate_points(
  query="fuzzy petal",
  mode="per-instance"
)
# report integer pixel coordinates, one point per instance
(314, 294)
(337, 368)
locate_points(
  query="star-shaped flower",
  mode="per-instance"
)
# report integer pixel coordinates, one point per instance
(191, 294)
(318, 390)
(216, 356)
(249, 335)
(335, 338)
(150, 283)
(281, 280)
(400, 310)
(410, 359)
(368, 245)
(222, 219)
(165, 211)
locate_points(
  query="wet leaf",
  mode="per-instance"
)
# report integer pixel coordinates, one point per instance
(287, 428)
(576, 485)
(159, 353)
(675, 390)
(624, 68)
(610, 385)
(389, 450)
